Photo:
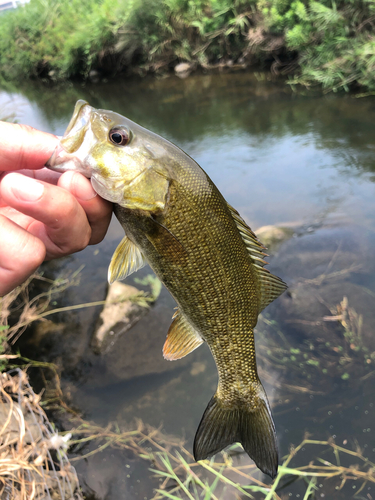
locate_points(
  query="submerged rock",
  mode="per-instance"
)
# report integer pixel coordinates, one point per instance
(119, 314)
(139, 352)
(273, 236)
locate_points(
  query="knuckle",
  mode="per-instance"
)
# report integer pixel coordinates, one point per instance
(22, 153)
(78, 243)
(87, 237)
(36, 252)
(70, 207)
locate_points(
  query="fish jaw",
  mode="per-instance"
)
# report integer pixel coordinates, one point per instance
(73, 150)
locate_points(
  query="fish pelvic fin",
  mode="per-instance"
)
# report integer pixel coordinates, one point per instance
(252, 427)
(182, 338)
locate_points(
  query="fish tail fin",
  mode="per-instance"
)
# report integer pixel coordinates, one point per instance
(252, 427)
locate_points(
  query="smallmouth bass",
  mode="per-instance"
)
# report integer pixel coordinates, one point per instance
(211, 262)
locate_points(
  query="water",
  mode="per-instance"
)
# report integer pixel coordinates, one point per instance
(299, 161)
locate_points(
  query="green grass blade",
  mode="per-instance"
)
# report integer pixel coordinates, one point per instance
(167, 495)
(311, 486)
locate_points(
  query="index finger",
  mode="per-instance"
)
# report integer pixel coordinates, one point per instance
(24, 147)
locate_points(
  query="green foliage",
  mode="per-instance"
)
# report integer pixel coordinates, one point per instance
(334, 44)
(54, 35)
(328, 43)
(65, 38)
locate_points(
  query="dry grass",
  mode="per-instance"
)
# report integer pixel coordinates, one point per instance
(18, 302)
(33, 463)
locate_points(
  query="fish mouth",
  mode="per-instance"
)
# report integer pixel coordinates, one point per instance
(77, 108)
(64, 157)
(75, 133)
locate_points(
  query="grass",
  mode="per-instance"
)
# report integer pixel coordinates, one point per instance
(230, 474)
(362, 471)
(18, 303)
(181, 477)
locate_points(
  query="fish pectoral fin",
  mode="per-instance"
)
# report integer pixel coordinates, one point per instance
(165, 242)
(182, 339)
(126, 260)
(252, 427)
(270, 285)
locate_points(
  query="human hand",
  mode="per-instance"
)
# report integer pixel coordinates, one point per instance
(43, 214)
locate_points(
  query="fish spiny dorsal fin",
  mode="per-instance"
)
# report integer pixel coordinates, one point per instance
(271, 285)
(126, 260)
(182, 339)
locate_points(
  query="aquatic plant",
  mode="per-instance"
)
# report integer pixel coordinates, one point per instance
(317, 361)
(343, 356)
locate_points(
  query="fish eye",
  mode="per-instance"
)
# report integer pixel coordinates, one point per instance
(119, 136)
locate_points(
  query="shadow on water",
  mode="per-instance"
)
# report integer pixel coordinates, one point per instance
(301, 161)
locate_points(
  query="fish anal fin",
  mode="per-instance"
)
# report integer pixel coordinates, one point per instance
(270, 285)
(126, 259)
(182, 339)
(253, 428)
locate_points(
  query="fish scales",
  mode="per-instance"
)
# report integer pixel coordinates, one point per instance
(215, 312)
(175, 218)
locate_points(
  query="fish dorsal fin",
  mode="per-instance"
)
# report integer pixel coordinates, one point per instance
(126, 260)
(182, 339)
(271, 286)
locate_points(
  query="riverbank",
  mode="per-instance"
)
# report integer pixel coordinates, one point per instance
(314, 42)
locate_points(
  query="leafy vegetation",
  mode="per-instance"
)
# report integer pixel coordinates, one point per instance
(320, 42)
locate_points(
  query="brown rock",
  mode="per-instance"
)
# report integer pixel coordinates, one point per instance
(119, 314)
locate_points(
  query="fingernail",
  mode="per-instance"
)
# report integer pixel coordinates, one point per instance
(27, 189)
(82, 188)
